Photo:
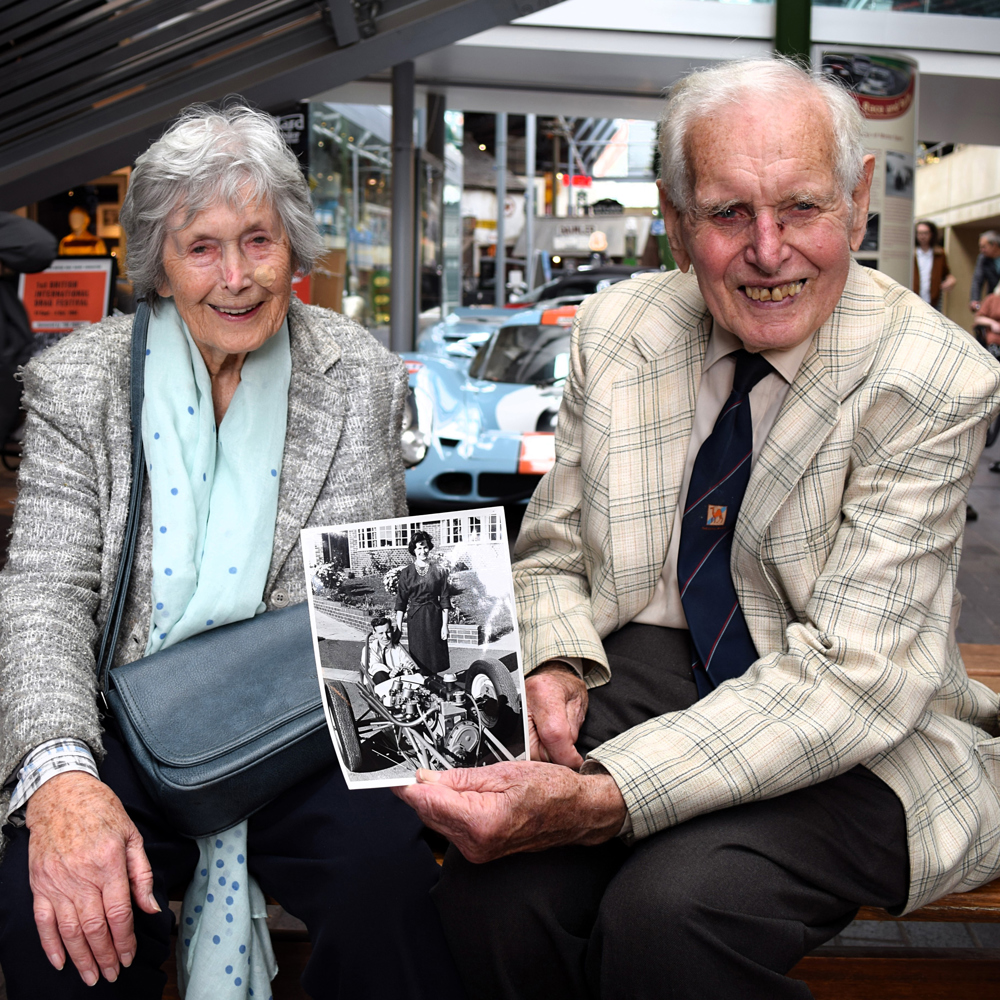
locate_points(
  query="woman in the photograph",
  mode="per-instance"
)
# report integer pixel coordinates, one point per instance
(261, 415)
(423, 595)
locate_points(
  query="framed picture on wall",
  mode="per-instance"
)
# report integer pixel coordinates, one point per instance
(108, 226)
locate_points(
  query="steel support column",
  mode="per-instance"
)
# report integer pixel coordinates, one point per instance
(530, 126)
(401, 306)
(501, 169)
(571, 205)
(793, 28)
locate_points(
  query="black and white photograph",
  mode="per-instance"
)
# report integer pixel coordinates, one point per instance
(416, 644)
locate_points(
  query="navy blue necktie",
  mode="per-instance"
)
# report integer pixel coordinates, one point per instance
(719, 632)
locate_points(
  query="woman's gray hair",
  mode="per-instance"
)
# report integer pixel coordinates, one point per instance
(233, 154)
(703, 92)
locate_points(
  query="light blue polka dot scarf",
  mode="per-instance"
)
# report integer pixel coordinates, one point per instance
(215, 501)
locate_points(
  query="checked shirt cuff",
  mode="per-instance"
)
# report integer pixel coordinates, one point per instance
(46, 761)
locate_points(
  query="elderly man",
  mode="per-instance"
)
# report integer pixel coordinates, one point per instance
(987, 271)
(746, 555)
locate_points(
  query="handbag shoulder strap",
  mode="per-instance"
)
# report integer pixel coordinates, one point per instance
(112, 623)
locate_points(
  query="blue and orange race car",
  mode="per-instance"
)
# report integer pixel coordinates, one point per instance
(483, 431)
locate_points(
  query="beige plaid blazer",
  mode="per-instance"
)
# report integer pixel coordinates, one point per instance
(844, 559)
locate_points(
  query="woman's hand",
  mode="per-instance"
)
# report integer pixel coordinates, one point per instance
(84, 854)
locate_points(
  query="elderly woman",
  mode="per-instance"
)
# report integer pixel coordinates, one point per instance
(261, 416)
(422, 595)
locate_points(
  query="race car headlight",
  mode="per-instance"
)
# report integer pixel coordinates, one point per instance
(414, 444)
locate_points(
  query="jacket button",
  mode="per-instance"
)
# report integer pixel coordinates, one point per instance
(279, 598)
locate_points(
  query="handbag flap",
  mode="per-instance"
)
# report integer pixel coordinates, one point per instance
(209, 694)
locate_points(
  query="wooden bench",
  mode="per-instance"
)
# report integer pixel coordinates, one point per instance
(894, 973)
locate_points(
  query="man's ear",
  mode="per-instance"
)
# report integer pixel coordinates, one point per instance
(860, 198)
(672, 222)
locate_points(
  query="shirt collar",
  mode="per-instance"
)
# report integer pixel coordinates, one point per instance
(786, 362)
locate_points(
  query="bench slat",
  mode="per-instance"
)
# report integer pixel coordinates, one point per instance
(903, 978)
(981, 906)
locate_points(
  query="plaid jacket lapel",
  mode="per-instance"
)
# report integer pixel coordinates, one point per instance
(652, 413)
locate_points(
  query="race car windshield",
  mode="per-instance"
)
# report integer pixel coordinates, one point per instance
(524, 355)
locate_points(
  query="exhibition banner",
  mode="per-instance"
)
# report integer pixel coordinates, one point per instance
(70, 293)
(885, 88)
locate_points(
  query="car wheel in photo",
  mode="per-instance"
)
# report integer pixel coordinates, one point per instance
(343, 721)
(492, 688)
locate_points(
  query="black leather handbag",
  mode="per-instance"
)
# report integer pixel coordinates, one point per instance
(221, 723)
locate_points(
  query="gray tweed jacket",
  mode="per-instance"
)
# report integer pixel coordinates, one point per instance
(342, 463)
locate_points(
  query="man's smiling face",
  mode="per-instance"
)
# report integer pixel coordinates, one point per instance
(769, 232)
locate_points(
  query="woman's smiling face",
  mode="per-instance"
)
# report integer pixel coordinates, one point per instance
(210, 265)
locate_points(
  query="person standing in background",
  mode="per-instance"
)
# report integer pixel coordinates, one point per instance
(931, 274)
(24, 247)
(987, 270)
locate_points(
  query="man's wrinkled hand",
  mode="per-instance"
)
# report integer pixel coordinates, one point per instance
(84, 855)
(557, 705)
(489, 812)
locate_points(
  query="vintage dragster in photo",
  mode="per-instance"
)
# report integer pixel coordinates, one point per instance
(427, 721)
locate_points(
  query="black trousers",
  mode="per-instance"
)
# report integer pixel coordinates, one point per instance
(351, 864)
(721, 906)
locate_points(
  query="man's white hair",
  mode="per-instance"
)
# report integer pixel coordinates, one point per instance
(234, 154)
(703, 92)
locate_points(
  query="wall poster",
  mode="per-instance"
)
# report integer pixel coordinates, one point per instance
(886, 91)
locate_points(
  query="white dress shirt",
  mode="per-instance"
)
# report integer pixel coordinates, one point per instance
(925, 262)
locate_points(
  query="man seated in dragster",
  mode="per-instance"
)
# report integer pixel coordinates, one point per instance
(384, 658)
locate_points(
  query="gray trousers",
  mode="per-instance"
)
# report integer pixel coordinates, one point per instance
(719, 907)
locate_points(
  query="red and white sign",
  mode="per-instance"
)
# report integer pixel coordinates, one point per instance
(70, 293)
(538, 453)
(302, 284)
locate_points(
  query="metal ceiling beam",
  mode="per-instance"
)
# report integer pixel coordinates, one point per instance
(33, 15)
(30, 115)
(274, 71)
